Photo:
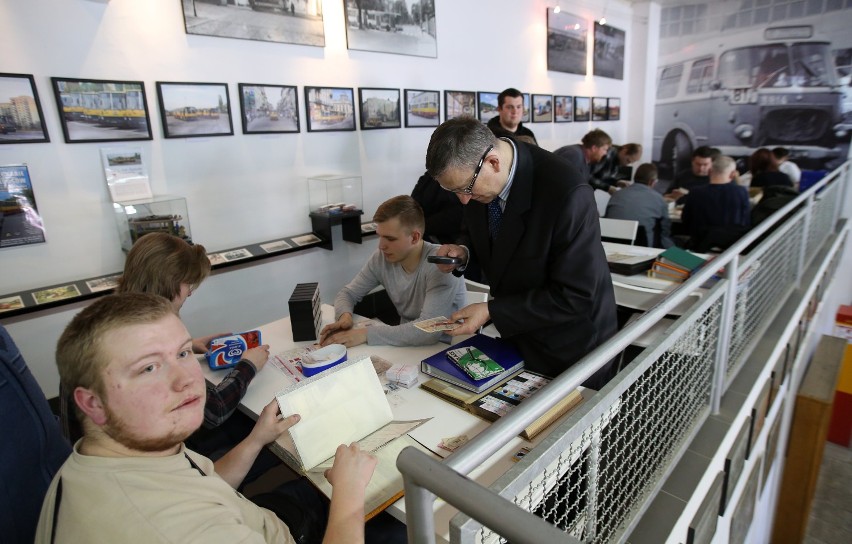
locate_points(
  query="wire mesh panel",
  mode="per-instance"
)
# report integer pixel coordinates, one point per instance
(822, 219)
(767, 277)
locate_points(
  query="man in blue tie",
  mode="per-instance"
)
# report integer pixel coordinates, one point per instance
(532, 225)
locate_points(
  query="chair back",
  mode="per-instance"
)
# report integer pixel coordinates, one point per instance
(622, 231)
(32, 448)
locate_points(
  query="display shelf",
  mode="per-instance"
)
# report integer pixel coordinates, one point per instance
(61, 294)
(350, 222)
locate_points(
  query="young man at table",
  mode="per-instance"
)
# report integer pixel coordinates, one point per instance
(416, 288)
(533, 226)
(127, 359)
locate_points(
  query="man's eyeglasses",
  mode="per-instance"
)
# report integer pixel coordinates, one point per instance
(469, 189)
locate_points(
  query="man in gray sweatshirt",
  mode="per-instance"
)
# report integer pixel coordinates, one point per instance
(417, 288)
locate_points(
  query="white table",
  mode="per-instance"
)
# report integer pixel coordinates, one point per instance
(406, 404)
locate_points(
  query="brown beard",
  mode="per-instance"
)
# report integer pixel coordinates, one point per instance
(116, 430)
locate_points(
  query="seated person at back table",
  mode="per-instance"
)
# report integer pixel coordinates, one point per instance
(698, 174)
(608, 174)
(139, 392)
(441, 209)
(721, 204)
(764, 170)
(416, 287)
(640, 202)
(166, 265)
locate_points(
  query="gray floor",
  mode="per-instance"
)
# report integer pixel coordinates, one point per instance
(831, 511)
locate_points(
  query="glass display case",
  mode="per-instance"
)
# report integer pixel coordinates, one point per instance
(136, 218)
(335, 194)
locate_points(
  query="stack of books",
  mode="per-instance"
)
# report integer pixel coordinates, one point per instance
(675, 264)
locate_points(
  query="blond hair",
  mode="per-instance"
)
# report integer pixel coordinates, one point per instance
(159, 263)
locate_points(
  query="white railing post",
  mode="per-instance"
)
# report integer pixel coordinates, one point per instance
(726, 326)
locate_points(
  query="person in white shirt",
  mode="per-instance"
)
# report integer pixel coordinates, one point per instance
(786, 166)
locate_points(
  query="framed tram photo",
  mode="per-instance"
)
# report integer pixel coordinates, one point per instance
(487, 106)
(458, 103)
(582, 108)
(563, 109)
(269, 109)
(96, 110)
(379, 108)
(23, 122)
(599, 109)
(542, 108)
(422, 108)
(330, 109)
(194, 110)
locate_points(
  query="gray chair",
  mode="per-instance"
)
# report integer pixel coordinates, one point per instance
(32, 447)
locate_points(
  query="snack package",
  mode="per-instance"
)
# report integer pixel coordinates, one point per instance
(476, 364)
(226, 351)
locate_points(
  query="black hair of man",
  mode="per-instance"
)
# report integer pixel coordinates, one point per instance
(705, 152)
(646, 174)
(511, 92)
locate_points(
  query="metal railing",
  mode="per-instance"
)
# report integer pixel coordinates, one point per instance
(594, 475)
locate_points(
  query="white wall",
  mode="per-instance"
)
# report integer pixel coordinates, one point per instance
(242, 189)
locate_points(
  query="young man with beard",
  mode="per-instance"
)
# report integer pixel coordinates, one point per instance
(510, 111)
(127, 360)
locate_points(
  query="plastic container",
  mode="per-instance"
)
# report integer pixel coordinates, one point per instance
(323, 359)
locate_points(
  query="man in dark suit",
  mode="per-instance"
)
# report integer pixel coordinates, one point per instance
(532, 224)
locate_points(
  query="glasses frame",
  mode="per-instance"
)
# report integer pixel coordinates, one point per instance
(469, 189)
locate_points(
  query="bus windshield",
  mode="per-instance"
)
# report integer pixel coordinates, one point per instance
(801, 65)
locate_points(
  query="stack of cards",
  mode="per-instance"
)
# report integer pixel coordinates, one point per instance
(436, 324)
(476, 364)
(403, 375)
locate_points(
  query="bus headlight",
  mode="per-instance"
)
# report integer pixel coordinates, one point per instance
(841, 131)
(744, 131)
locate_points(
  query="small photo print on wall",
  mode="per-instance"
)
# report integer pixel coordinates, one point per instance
(379, 108)
(283, 21)
(21, 118)
(527, 110)
(194, 110)
(566, 42)
(422, 108)
(269, 109)
(7, 304)
(599, 106)
(20, 222)
(542, 108)
(563, 109)
(609, 52)
(613, 109)
(582, 109)
(459, 103)
(330, 109)
(406, 28)
(487, 106)
(94, 110)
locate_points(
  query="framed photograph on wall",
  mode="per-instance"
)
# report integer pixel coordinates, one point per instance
(599, 106)
(282, 21)
(613, 109)
(97, 110)
(422, 108)
(525, 118)
(379, 108)
(23, 121)
(563, 108)
(487, 106)
(330, 109)
(269, 109)
(582, 108)
(608, 60)
(567, 36)
(369, 28)
(542, 108)
(194, 110)
(458, 103)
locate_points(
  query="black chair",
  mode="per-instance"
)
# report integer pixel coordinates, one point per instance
(32, 447)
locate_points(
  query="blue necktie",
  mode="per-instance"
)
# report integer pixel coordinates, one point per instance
(495, 214)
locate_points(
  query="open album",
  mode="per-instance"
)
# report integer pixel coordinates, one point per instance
(343, 405)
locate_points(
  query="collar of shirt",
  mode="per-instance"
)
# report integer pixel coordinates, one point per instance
(504, 194)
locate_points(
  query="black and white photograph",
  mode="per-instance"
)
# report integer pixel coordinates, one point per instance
(743, 513)
(194, 110)
(608, 60)
(563, 109)
(269, 109)
(525, 118)
(216, 258)
(613, 109)
(582, 109)
(21, 118)
(103, 284)
(542, 108)
(599, 106)
(236, 254)
(702, 528)
(20, 221)
(403, 27)
(487, 108)
(422, 108)
(277, 245)
(306, 239)
(458, 103)
(567, 36)
(330, 109)
(284, 21)
(95, 110)
(379, 108)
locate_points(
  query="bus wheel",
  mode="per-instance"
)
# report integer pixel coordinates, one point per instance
(677, 153)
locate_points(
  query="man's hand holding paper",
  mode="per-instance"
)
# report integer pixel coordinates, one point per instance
(473, 316)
